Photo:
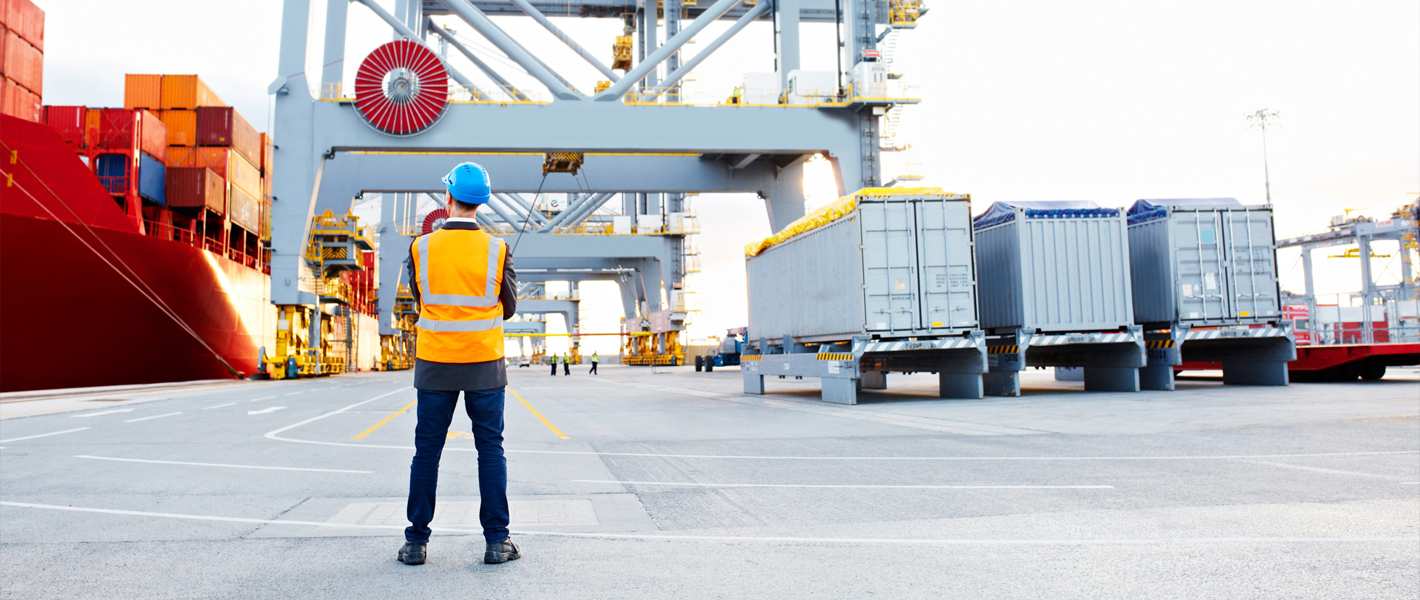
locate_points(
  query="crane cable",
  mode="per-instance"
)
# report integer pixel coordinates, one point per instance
(136, 281)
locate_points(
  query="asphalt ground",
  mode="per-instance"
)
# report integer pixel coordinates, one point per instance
(635, 484)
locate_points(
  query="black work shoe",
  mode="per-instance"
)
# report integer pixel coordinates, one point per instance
(501, 552)
(413, 554)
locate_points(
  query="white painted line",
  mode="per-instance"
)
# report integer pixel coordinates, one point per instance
(1401, 483)
(221, 405)
(102, 412)
(396, 529)
(272, 434)
(295, 393)
(152, 417)
(260, 399)
(198, 464)
(269, 409)
(833, 486)
(30, 437)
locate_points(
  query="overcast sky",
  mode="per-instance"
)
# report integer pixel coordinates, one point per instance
(1110, 101)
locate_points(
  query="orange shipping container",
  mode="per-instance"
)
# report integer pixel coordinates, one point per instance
(267, 155)
(142, 91)
(186, 91)
(92, 122)
(24, 64)
(182, 126)
(19, 102)
(228, 164)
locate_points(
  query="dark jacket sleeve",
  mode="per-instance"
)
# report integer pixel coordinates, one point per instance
(508, 295)
(409, 275)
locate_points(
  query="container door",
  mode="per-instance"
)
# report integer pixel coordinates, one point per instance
(1252, 276)
(944, 253)
(889, 266)
(1202, 277)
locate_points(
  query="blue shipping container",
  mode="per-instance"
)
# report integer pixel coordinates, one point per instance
(152, 179)
(112, 170)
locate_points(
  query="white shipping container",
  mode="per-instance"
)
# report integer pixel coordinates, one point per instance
(1204, 262)
(896, 266)
(1054, 267)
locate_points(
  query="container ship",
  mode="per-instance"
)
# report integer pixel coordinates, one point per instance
(135, 239)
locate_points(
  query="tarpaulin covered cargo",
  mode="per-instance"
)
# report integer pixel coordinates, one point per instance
(68, 121)
(142, 91)
(23, 64)
(883, 261)
(182, 126)
(243, 209)
(1203, 262)
(186, 91)
(224, 126)
(196, 187)
(1053, 266)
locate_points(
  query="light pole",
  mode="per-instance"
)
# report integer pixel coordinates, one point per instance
(1260, 120)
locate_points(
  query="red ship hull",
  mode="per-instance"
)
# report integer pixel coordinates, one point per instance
(71, 312)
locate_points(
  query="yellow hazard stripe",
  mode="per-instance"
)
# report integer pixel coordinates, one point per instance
(835, 356)
(1002, 349)
(745, 357)
(1159, 344)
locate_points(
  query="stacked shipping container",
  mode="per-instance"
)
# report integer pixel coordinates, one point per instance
(21, 59)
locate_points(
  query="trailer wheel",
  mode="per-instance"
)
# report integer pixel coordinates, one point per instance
(1372, 371)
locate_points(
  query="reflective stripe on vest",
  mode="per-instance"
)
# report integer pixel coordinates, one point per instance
(457, 323)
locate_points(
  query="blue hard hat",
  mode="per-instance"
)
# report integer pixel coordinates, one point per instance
(468, 183)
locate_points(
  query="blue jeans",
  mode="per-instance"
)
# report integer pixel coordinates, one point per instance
(436, 411)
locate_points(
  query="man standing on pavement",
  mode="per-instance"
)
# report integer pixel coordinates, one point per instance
(594, 364)
(553, 361)
(566, 364)
(464, 282)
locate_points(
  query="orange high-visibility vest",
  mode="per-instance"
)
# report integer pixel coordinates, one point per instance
(460, 272)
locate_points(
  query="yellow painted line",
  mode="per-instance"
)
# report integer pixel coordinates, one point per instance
(386, 420)
(538, 415)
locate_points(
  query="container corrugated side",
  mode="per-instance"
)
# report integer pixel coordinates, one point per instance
(896, 267)
(1205, 267)
(153, 135)
(23, 64)
(142, 91)
(25, 19)
(243, 209)
(224, 126)
(230, 165)
(18, 102)
(1055, 274)
(186, 91)
(152, 179)
(182, 126)
(68, 122)
(196, 187)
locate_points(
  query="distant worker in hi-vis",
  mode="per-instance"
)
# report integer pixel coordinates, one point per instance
(594, 364)
(566, 364)
(553, 361)
(463, 280)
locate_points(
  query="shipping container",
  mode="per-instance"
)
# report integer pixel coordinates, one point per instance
(18, 102)
(196, 187)
(93, 123)
(243, 209)
(123, 129)
(1053, 267)
(186, 91)
(24, 64)
(892, 264)
(267, 156)
(68, 121)
(182, 126)
(224, 126)
(1203, 262)
(152, 179)
(142, 91)
(26, 20)
(230, 165)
